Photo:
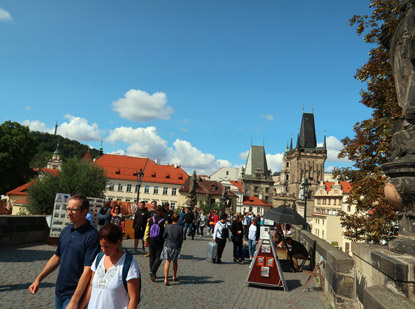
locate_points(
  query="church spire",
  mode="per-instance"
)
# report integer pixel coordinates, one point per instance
(101, 150)
(325, 143)
(291, 144)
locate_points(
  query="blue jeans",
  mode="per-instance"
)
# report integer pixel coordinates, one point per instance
(251, 246)
(59, 304)
(186, 227)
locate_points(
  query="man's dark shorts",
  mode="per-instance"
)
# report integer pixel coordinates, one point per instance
(139, 232)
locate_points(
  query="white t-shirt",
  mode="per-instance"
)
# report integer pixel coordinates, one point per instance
(108, 290)
(252, 232)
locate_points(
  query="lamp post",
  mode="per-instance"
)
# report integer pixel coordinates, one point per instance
(139, 181)
(305, 185)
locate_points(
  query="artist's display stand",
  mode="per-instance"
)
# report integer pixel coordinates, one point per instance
(265, 269)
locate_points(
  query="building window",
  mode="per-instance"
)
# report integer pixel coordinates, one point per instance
(165, 189)
(227, 173)
(318, 201)
(255, 189)
(347, 248)
(266, 190)
(156, 190)
(111, 187)
(349, 208)
(259, 210)
(136, 189)
(128, 188)
(119, 199)
(173, 191)
(287, 164)
(172, 205)
(287, 177)
(127, 200)
(146, 189)
(322, 234)
(119, 187)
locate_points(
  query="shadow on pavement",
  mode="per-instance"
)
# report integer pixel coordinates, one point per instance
(293, 284)
(25, 286)
(16, 255)
(191, 257)
(198, 280)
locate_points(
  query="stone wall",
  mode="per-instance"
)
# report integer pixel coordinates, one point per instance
(338, 270)
(378, 267)
(373, 278)
(23, 229)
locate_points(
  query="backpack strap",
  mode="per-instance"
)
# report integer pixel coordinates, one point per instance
(126, 268)
(161, 220)
(154, 220)
(99, 257)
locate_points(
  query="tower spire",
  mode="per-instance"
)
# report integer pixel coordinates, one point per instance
(56, 127)
(291, 144)
(325, 143)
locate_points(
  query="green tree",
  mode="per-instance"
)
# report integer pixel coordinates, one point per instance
(76, 177)
(371, 146)
(17, 148)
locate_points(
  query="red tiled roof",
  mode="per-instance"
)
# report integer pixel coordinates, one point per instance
(22, 190)
(45, 170)
(22, 201)
(346, 186)
(126, 168)
(210, 187)
(87, 156)
(237, 184)
(252, 200)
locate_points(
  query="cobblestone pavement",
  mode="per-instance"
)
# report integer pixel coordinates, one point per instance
(202, 284)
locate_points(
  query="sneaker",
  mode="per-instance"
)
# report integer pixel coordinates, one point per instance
(152, 277)
(147, 254)
(219, 262)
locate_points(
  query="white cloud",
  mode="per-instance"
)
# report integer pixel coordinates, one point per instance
(243, 155)
(28, 108)
(79, 129)
(138, 105)
(329, 169)
(268, 117)
(274, 161)
(333, 149)
(36, 125)
(4, 15)
(142, 141)
(190, 158)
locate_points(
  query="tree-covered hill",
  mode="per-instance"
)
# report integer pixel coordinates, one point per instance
(46, 145)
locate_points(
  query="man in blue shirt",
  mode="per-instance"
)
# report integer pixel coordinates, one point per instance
(78, 246)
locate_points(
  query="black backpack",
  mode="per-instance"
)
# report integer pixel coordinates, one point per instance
(225, 231)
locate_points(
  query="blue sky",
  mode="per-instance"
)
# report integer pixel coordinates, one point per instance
(187, 82)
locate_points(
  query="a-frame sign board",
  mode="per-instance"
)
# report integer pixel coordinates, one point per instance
(265, 268)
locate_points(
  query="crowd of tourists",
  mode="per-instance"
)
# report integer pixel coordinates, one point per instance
(96, 272)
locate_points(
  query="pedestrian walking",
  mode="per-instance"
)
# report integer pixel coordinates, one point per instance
(154, 240)
(237, 238)
(74, 261)
(140, 222)
(220, 235)
(116, 217)
(173, 236)
(202, 222)
(253, 237)
(188, 220)
(106, 288)
(104, 215)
